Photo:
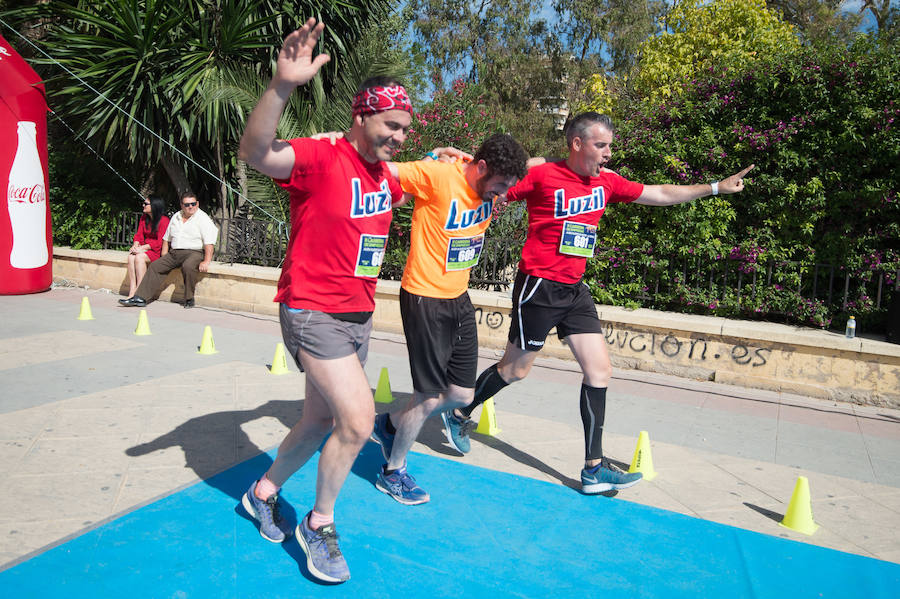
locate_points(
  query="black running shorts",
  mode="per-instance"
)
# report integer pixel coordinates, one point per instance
(442, 341)
(541, 304)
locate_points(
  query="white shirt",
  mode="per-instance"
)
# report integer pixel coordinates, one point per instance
(191, 234)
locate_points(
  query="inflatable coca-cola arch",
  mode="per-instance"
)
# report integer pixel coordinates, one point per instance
(26, 241)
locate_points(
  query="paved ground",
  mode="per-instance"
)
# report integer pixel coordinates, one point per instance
(96, 422)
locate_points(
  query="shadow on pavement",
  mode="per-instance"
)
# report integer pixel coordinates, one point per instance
(765, 512)
(207, 458)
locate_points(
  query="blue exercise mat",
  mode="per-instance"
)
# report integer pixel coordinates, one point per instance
(485, 534)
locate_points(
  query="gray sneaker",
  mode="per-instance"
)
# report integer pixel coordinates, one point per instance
(606, 476)
(272, 527)
(402, 487)
(323, 556)
(457, 431)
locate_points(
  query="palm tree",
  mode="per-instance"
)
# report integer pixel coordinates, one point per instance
(141, 76)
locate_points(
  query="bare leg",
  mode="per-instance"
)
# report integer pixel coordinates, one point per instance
(593, 357)
(338, 396)
(410, 419)
(140, 269)
(516, 363)
(132, 276)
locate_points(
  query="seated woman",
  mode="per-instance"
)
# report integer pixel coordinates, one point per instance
(147, 241)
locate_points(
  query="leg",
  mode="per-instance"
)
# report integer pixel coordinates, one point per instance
(191, 273)
(141, 262)
(410, 420)
(598, 475)
(593, 357)
(345, 391)
(516, 363)
(590, 349)
(156, 275)
(132, 277)
(342, 394)
(301, 442)
(304, 438)
(514, 366)
(533, 316)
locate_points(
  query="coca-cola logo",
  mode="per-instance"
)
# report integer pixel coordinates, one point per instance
(27, 194)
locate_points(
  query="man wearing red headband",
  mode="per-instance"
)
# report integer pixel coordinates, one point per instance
(341, 196)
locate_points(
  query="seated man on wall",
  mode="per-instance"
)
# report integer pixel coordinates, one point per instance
(188, 243)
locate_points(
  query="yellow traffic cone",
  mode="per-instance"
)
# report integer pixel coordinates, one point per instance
(799, 513)
(207, 346)
(642, 461)
(487, 422)
(383, 390)
(85, 313)
(143, 326)
(279, 362)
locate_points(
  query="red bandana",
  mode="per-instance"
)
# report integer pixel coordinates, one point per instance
(380, 99)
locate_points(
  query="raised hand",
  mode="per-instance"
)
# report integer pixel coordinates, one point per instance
(735, 182)
(297, 64)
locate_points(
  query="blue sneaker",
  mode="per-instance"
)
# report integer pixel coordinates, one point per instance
(382, 437)
(402, 487)
(272, 526)
(606, 477)
(457, 431)
(323, 556)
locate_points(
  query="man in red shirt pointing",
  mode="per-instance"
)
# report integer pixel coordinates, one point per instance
(565, 201)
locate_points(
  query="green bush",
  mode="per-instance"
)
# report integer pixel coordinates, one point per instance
(85, 197)
(822, 129)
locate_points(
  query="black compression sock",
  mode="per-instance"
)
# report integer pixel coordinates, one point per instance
(593, 413)
(487, 385)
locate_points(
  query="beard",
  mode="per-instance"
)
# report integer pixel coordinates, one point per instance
(384, 148)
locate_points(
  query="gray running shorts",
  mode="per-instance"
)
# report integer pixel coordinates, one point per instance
(322, 335)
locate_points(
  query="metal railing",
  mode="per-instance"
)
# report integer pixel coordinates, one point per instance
(675, 282)
(241, 240)
(832, 285)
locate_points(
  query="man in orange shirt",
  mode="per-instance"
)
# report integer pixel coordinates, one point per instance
(454, 203)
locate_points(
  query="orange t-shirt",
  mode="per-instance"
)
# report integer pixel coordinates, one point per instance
(448, 224)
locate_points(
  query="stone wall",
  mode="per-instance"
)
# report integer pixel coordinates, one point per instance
(752, 354)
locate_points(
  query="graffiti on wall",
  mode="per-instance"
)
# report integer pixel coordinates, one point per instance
(493, 320)
(696, 349)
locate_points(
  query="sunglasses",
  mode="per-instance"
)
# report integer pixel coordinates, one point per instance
(146, 202)
(186, 204)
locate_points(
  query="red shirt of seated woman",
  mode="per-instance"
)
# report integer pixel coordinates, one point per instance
(154, 238)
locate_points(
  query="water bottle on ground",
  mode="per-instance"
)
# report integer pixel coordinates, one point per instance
(850, 331)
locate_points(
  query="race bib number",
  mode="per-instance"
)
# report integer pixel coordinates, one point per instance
(463, 252)
(577, 239)
(371, 255)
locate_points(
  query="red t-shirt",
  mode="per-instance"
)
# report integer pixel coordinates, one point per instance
(563, 211)
(340, 216)
(155, 238)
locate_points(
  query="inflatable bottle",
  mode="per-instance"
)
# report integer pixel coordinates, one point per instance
(27, 202)
(26, 235)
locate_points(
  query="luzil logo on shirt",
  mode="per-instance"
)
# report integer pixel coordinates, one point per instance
(457, 220)
(589, 203)
(372, 203)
